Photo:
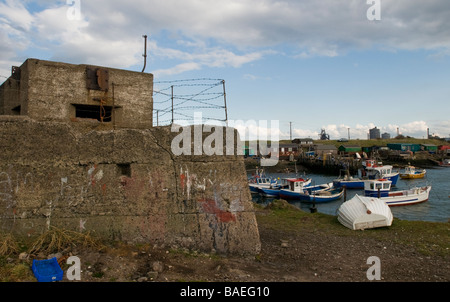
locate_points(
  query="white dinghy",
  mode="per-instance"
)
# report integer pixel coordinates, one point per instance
(363, 212)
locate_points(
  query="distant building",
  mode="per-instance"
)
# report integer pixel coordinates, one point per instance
(430, 148)
(404, 147)
(303, 141)
(385, 136)
(374, 133)
(349, 149)
(444, 149)
(288, 149)
(320, 150)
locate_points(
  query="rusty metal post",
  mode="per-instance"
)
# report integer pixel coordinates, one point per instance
(172, 102)
(345, 193)
(113, 109)
(225, 101)
(145, 52)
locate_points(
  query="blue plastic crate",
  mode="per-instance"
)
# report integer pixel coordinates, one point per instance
(47, 270)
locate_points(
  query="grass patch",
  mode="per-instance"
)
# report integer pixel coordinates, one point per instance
(429, 238)
(16, 272)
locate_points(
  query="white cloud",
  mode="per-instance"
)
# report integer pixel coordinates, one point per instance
(180, 68)
(417, 129)
(15, 15)
(211, 33)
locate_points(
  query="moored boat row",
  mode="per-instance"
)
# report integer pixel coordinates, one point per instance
(370, 210)
(301, 189)
(371, 170)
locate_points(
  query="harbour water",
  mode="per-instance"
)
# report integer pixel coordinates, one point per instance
(436, 209)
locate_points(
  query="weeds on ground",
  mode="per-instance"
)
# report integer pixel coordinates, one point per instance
(56, 239)
(8, 245)
(13, 269)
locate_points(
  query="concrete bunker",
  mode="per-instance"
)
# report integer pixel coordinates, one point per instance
(117, 178)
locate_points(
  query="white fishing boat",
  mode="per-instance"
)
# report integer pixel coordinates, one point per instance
(381, 188)
(256, 183)
(260, 180)
(362, 212)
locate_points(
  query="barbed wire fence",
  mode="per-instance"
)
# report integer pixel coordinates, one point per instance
(179, 101)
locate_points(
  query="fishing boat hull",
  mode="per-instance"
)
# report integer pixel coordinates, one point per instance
(256, 183)
(413, 175)
(269, 192)
(253, 188)
(407, 197)
(361, 212)
(381, 189)
(349, 184)
(325, 195)
(274, 191)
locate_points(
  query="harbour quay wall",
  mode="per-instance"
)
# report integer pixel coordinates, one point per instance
(329, 166)
(122, 184)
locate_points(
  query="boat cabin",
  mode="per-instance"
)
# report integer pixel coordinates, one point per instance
(410, 170)
(295, 185)
(377, 187)
(379, 171)
(263, 181)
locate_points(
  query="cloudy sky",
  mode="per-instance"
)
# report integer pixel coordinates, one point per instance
(341, 65)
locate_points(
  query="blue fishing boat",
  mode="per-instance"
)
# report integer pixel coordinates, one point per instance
(256, 183)
(284, 183)
(376, 170)
(319, 193)
(260, 180)
(348, 181)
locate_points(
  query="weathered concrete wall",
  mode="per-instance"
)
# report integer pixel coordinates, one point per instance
(122, 184)
(9, 97)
